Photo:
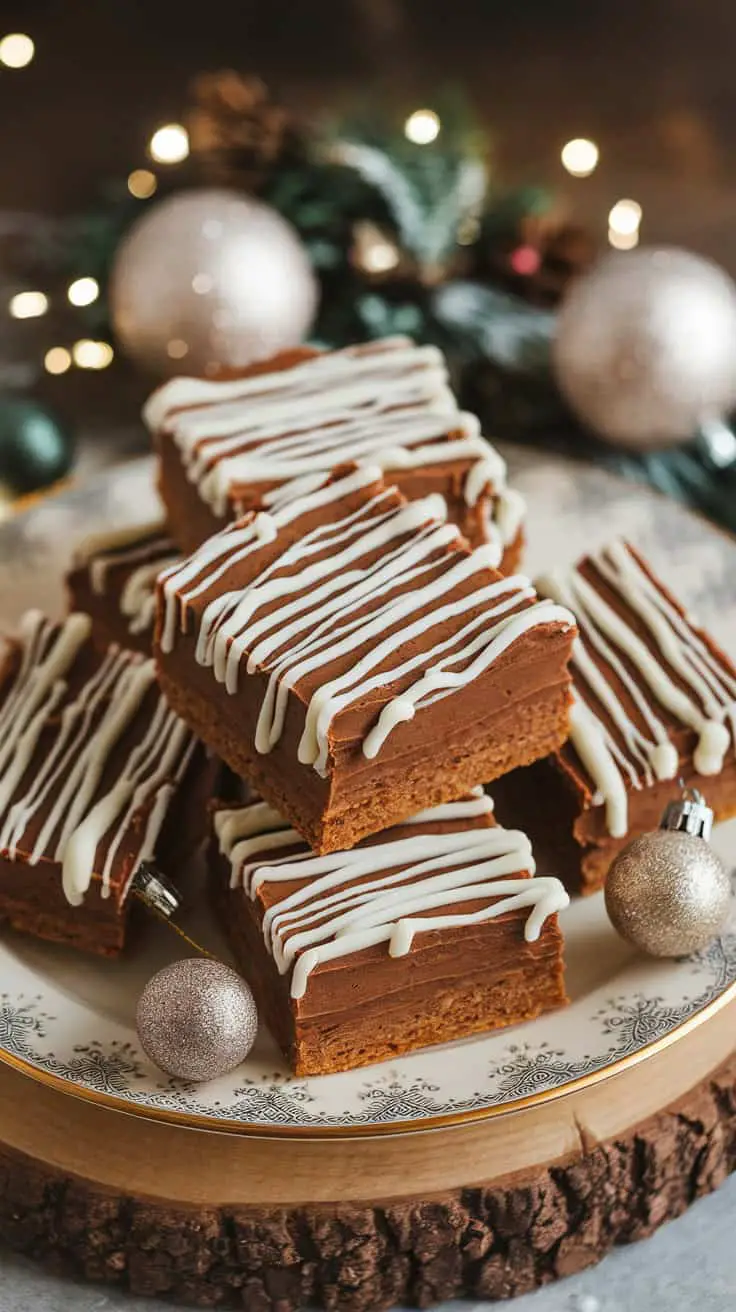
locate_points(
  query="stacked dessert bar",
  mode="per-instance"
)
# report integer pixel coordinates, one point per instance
(347, 645)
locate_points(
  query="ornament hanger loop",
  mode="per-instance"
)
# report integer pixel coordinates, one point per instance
(690, 814)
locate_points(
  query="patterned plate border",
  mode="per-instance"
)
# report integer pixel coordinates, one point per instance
(620, 1029)
(635, 1025)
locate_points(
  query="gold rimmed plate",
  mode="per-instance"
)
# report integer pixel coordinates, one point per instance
(67, 1020)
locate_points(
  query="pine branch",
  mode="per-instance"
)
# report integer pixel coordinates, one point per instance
(462, 201)
(377, 168)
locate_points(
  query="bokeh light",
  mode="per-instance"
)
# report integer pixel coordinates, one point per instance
(16, 50)
(142, 183)
(422, 127)
(170, 144)
(92, 355)
(580, 157)
(83, 291)
(625, 217)
(57, 360)
(623, 241)
(28, 305)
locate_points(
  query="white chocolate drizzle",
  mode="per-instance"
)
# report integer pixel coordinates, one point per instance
(383, 590)
(636, 752)
(145, 550)
(387, 403)
(387, 891)
(58, 813)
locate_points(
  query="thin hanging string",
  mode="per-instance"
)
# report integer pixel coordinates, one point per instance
(162, 899)
(171, 924)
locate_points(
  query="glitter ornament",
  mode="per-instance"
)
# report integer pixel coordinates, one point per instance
(196, 1019)
(208, 279)
(645, 348)
(667, 892)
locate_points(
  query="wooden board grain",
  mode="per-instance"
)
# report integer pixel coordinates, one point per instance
(486, 1209)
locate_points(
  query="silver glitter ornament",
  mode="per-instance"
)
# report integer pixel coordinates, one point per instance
(208, 278)
(645, 347)
(667, 892)
(196, 1019)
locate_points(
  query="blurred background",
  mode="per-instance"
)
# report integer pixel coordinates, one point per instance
(446, 171)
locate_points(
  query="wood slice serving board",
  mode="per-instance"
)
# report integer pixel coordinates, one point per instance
(487, 1209)
(484, 1168)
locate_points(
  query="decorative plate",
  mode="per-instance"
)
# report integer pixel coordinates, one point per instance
(68, 1020)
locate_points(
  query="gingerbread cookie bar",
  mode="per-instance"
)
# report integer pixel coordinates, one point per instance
(355, 661)
(230, 445)
(655, 701)
(431, 931)
(113, 580)
(96, 775)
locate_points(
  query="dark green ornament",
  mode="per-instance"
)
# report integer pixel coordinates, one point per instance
(35, 447)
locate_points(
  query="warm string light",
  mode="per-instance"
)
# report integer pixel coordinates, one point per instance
(85, 354)
(380, 257)
(88, 354)
(624, 221)
(422, 127)
(28, 305)
(625, 216)
(622, 241)
(16, 50)
(580, 157)
(142, 183)
(58, 360)
(177, 348)
(83, 291)
(170, 144)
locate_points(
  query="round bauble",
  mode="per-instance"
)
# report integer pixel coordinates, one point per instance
(35, 447)
(668, 893)
(645, 348)
(196, 1019)
(209, 279)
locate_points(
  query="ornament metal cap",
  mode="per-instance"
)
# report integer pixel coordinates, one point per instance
(689, 815)
(156, 890)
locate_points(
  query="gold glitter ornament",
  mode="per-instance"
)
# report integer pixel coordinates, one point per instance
(667, 892)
